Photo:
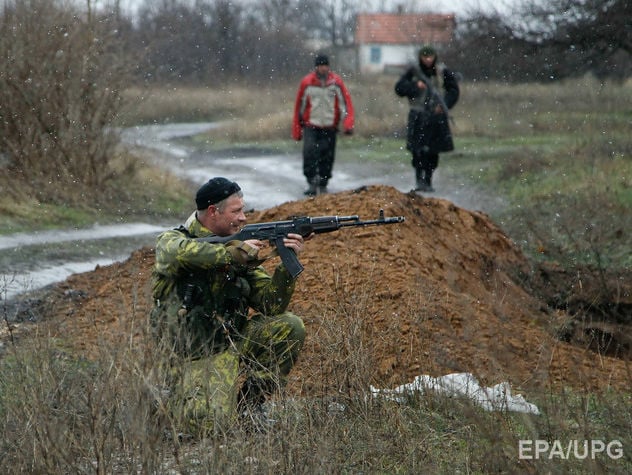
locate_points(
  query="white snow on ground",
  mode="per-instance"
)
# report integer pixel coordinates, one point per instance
(95, 232)
(495, 398)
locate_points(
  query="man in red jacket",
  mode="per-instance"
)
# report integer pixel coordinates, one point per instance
(323, 103)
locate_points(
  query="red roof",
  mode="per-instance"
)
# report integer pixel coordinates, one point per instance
(394, 28)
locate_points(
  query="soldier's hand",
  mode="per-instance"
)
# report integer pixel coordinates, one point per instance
(295, 242)
(243, 253)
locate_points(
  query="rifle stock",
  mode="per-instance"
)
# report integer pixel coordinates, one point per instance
(275, 231)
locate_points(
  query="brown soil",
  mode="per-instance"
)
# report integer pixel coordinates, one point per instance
(446, 291)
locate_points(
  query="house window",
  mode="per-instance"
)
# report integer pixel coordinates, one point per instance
(376, 54)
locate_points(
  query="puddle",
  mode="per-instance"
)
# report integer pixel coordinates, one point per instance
(12, 285)
(96, 232)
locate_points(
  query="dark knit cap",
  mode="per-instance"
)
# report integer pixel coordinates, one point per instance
(214, 191)
(321, 59)
(427, 50)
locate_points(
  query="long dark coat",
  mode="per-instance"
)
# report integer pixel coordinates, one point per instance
(428, 132)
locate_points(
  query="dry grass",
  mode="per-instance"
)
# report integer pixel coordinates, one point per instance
(484, 110)
(256, 113)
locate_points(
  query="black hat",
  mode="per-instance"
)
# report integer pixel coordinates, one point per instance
(321, 59)
(427, 50)
(214, 191)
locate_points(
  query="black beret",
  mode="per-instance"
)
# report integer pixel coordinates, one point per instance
(214, 191)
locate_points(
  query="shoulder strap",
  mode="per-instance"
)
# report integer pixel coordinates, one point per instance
(183, 230)
(420, 74)
(441, 74)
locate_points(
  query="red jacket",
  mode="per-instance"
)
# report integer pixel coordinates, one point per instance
(322, 106)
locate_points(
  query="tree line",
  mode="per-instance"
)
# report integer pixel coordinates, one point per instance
(271, 39)
(547, 41)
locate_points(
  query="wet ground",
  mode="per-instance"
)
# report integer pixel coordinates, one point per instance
(29, 262)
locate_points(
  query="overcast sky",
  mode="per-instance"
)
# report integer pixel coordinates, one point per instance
(459, 7)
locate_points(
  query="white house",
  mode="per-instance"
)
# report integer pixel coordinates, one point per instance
(390, 41)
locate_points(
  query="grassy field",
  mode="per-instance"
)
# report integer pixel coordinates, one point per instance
(559, 154)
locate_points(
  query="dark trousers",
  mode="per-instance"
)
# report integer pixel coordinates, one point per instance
(425, 164)
(319, 152)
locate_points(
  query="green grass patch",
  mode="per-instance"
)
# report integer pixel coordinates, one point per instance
(19, 217)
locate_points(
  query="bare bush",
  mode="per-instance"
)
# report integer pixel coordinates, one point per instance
(61, 75)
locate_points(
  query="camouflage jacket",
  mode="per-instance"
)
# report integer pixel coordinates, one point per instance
(200, 294)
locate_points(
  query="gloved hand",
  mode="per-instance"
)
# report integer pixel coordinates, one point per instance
(243, 254)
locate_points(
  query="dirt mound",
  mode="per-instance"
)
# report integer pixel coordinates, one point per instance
(440, 293)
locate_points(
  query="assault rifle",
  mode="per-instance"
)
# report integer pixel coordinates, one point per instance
(275, 231)
(433, 93)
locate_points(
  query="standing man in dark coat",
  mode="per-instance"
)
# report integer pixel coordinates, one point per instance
(432, 90)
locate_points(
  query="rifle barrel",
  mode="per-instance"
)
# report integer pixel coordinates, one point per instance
(355, 217)
(382, 220)
(333, 219)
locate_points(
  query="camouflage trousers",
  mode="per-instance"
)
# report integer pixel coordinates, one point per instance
(205, 390)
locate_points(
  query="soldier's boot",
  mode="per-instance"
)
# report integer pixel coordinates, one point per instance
(312, 189)
(251, 394)
(420, 182)
(251, 409)
(428, 180)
